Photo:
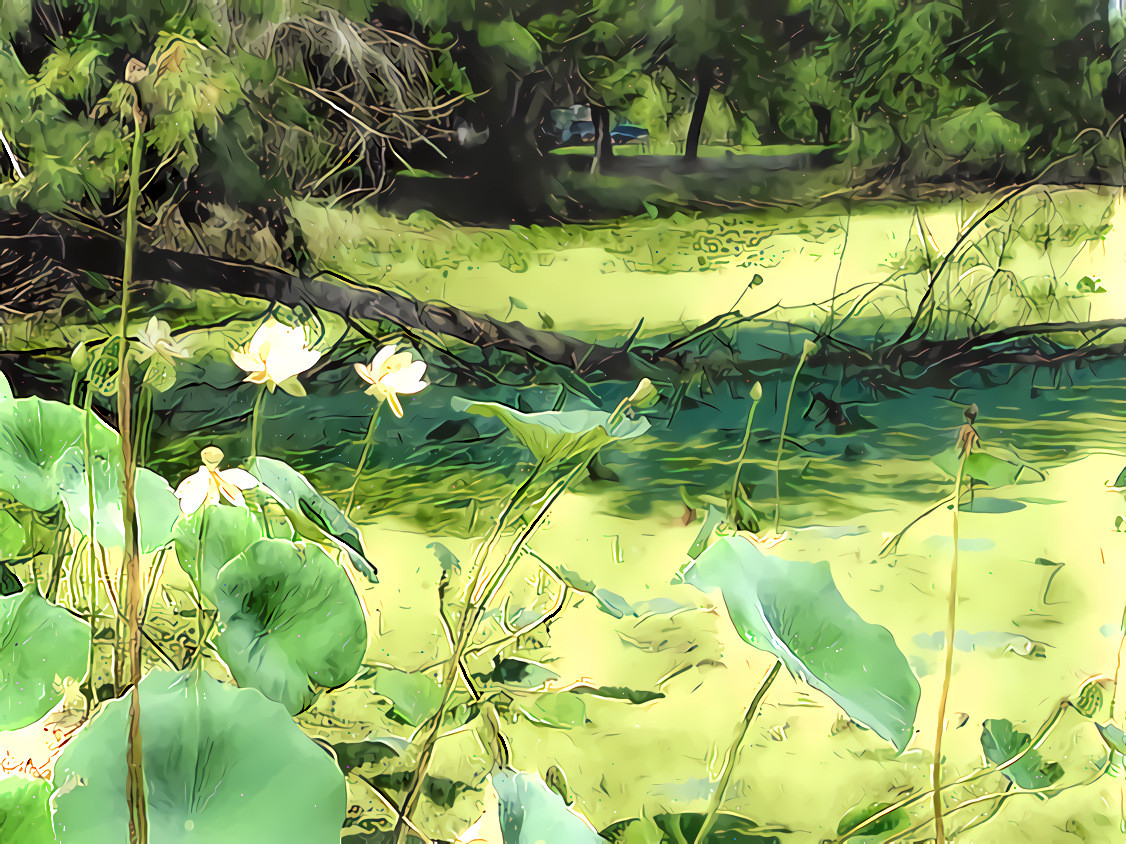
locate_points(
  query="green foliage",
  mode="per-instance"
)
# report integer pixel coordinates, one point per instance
(39, 642)
(673, 828)
(883, 829)
(414, 696)
(1000, 742)
(42, 465)
(292, 623)
(25, 811)
(225, 531)
(794, 611)
(554, 437)
(531, 812)
(312, 515)
(222, 765)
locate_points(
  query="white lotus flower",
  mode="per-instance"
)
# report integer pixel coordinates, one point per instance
(210, 483)
(156, 339)
(275, 355)
(392, 374)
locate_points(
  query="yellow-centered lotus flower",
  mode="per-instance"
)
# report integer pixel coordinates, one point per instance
(211, 483)
(391, 375)
(275, 356)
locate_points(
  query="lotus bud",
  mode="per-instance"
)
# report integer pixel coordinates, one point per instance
(808, 348)
(645, 395)
(756, 391)
(80, 357)
(211, 457)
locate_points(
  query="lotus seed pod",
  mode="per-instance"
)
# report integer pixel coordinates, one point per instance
(211, 456)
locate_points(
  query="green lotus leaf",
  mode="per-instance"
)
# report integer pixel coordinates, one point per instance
(556, 435)
(1000, 742)
(38, 643)
(530, 812)
(794, 611)
(42, 465)
(25, 811)
(673, 828)
(992, 467)
(11, 536)
(881, 829)
(292, 623)
(414, 696)
(312, 515)
(226, 532)
(222, 766)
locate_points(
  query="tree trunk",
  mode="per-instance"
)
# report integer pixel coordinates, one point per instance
(705, 79)
(603, 143)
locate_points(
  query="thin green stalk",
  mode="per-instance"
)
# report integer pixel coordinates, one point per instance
(91, 560)
(733, 753)
(135, 777)
(807, 349)
(756, 397)
(369, 440)
(474, 610)
(1037, 740)
(255, 423)
(951, 612)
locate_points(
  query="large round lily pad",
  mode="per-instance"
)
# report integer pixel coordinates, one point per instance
(43, 464)
(794, 611)
(222, 766)
(292, 623)
(225, 531)
(39, 642)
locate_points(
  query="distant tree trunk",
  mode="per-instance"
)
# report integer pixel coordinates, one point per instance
(705, 79)
(603, 143)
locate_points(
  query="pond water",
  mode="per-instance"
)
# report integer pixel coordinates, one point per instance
(1042, 587)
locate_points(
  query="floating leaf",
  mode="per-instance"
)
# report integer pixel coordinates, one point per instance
(1001, 742)
(676, 828)
(221, 765)
(25, 811)
(531, 813)
(794, 611)
(227, 532)
(560, 709)
(557, 435)
(292, 623)
(313, 515)
(993, 467)
(616, 693)
(522, 673)
(414, 696)
(882, 829)
(38, 642)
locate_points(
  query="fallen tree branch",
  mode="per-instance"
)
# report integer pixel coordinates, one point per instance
(85, 252)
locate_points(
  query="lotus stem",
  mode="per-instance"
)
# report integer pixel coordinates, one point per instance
(135, 777)
(255, 421)
(756, 397)
(807, 349)
(369, 440)
(733, 753)
(948, 649)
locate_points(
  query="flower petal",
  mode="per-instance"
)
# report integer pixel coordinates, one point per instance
(393, 401)
(239, 478)
(257, 377)
(381, 357)
(193, 490)
(247, 362)
(365, 373)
